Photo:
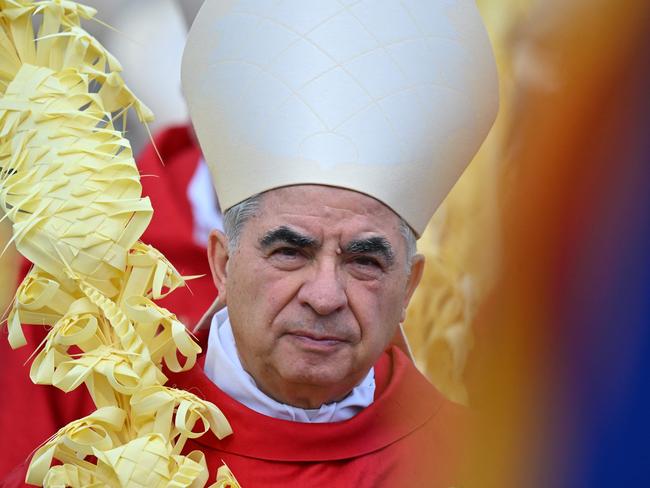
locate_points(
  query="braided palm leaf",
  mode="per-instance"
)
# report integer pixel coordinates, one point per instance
(69, 184)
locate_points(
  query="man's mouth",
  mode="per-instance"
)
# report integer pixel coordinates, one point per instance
(310, 340)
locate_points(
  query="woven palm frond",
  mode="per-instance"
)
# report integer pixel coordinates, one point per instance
(70, 187)
(225, 479)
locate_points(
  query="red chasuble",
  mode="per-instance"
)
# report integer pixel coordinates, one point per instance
(409, 437)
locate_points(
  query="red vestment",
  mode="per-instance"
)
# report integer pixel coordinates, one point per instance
(409, 436)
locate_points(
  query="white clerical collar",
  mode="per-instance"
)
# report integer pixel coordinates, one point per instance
(223, 367)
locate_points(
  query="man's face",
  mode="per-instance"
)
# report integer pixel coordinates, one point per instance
(315, 290)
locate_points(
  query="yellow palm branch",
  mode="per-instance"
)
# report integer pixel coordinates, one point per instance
(69, 184)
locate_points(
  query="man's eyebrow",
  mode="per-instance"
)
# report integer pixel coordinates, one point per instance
(372, 245)
(289, 236)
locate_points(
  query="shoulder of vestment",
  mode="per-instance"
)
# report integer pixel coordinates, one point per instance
(406, 408)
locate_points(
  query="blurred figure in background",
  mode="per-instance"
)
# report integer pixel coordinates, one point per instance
(147, 37)
(559, 374)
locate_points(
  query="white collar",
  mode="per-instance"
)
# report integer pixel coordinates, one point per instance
(223, 367)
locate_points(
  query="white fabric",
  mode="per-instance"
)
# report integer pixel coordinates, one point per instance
(389, 98)
(150, 55)
(205, 207)
(223, 367)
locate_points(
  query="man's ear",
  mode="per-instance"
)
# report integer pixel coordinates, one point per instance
(218, 258)
(417, 269)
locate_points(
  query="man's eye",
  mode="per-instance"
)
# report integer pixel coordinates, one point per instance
(367, 262)
(287, 252)
(287, 258)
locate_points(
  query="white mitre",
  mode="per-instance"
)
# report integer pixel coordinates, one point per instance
(390, 98)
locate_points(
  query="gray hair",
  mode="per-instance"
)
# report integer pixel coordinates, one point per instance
(236, 217)
(410, 240)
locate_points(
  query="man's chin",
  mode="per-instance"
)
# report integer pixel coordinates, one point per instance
(332, 381)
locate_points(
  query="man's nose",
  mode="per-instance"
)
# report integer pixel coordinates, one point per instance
(324, 291)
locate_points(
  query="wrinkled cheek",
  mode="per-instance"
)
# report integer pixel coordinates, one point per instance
(383, 325)
(282, 294)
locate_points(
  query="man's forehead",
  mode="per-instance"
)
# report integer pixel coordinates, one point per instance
(321, 212)
(322, 200)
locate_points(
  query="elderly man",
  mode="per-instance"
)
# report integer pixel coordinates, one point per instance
(333, 131)
(301, 364)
